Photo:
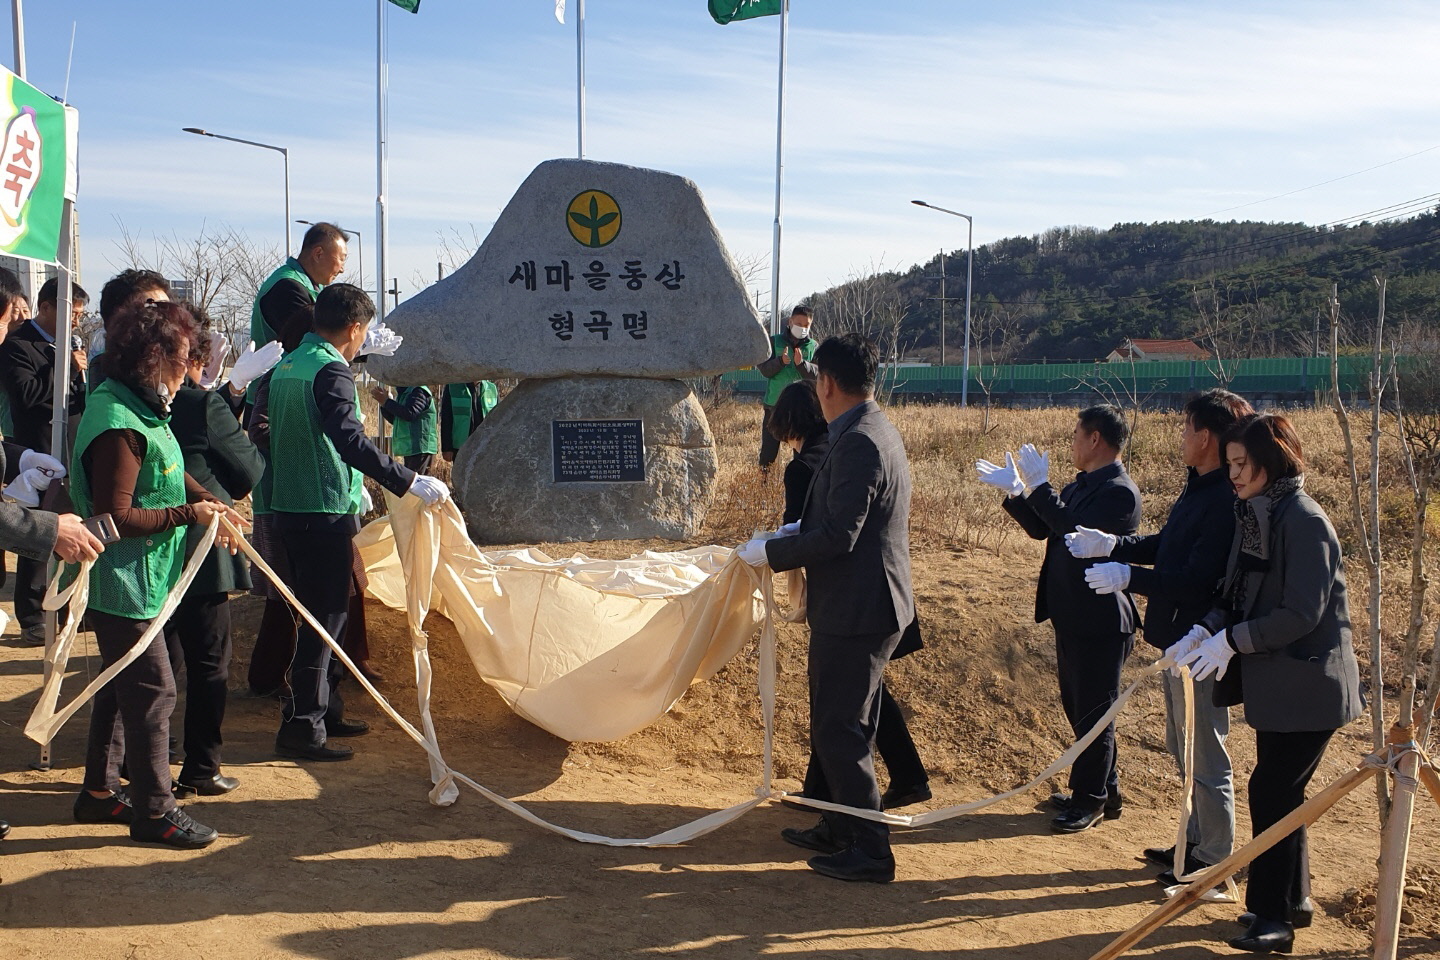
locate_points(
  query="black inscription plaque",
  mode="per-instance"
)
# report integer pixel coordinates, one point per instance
(598, 451)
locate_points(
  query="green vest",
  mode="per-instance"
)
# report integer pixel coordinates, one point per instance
(7, 422)
(489, 397)
(789, 373)
(460, 399)
(133, 577)
(416, 436)
(307, 474)
(260, 330)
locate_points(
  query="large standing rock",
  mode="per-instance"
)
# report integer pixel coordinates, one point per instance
(592, 268)
(505, 473)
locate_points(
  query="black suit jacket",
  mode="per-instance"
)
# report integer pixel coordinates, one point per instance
(1105, 499)
(27, 374)
(854, 539)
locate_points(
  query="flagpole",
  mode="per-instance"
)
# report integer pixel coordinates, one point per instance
(779, 170)
(580, 78)
(17, 16)
(382, 154)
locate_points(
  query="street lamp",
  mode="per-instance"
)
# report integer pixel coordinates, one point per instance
(969, 275)
(359, 248)
(267, 146)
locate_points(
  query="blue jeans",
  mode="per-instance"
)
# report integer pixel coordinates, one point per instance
(1210, 834)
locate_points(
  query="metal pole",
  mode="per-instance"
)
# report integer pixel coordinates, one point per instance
(969, 277)
(381, 156)
(17, 15)
(779, 170)
(942, 308)
(580, 79)
(288, 246)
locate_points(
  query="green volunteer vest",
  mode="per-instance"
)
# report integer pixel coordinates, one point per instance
(788, 374)
(133, 577)
(260, 330)
(460, 399)
(416, 436)
(7, 422)
(307, 474)
(489, 397)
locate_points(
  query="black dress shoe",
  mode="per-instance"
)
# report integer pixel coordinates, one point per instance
(1266, 936)
(4, 829)
(1160, 856)
(175, 829)
(905, 796)
(112, 809)
(1075, 820)
(1114, 804)
(346, 728)
(311, 751)
(817, 838)
(210, 787)
(1303, 916)
(1193, 865)
(854, 864)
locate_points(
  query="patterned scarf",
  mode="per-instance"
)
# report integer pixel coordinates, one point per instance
(1254, 517)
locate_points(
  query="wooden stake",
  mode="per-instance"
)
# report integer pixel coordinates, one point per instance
(1303, 815)
(1395, 850)
(1431, 779)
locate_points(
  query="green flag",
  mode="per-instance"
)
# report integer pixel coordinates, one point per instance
(726, 10)
(412, 5)
(36, 172)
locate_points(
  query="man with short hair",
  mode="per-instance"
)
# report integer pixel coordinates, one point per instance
(27, 374)
(298, 281)
(791, 358)
(853, 540)
(1093, 634)
(1179, 569)
(315, 431)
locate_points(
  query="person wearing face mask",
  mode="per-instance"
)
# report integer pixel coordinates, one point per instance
(792, 356)
(129, 465)
(1279, 643)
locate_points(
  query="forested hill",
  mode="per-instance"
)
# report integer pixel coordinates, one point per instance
(1245, 288)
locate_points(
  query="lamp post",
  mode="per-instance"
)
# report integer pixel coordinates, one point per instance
(969, 276)
(266, 146)
(359, 248)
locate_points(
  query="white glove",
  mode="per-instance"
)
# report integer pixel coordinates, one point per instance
(1108, 577)
(46, 464)
(788, 530)
(26, 488)
(1006, 478)
(1087, 543)
(219, 348)
(380, 341)
(1211, 656)
(97, 344)
(1184, 645)
(753, 552)
(253, 364)
(429, 489)
(1034, 467)
(367, 502)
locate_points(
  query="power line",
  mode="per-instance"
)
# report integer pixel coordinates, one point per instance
(1323, 183)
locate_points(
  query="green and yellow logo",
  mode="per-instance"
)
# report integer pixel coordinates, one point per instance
(593, 218)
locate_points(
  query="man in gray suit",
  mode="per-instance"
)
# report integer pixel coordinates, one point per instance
(854, 543)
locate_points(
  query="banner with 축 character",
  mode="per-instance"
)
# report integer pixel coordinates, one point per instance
(37, 169)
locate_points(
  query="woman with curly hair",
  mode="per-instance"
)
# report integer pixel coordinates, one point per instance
(128, 464)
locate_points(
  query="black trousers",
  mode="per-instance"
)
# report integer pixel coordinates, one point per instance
(198, 636)
(894, 744)
(1088, 667)
(322, 561)
(420, 462)
(30, 586)
(1284, 764)
(847, 674)
(769, 446)
(130, 717)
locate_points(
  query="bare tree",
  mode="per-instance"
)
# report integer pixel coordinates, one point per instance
(869, 303)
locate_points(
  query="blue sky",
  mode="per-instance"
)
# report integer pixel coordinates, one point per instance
(1026, 115)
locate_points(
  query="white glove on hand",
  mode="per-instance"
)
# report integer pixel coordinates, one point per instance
(1108, 577)
(1006, 478)
(1034, 467)
(1087, 543)
(253, 364)
(753, 552)
(380, 341)
(46, 464)
(1184, 645)
(429, 489)
(219, 349)
(1211, 656)
(367, 502)
(26, 488)
(788, 530)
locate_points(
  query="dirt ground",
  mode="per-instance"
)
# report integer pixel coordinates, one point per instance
(350, 862)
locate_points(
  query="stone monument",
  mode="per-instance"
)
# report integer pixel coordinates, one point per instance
(599, 286)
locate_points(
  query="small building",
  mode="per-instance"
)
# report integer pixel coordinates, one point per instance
(1145, 350)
